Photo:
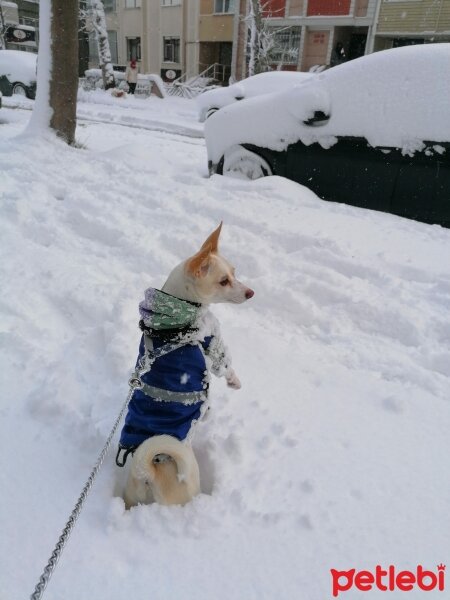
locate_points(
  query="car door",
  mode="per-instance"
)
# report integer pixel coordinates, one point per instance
(350, 171)
(422, 189)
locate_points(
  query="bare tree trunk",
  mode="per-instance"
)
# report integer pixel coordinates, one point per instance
(104, 51)
(64, 69)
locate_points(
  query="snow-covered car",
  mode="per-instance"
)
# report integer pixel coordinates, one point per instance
(373, 132)
(264, 83)
(18, 73)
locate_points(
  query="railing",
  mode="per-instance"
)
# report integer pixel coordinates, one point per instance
(189, 86)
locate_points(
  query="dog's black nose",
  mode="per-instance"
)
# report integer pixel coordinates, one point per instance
(249, 294)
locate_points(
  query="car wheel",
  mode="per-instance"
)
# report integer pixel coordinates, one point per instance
(242, 163)
(19, 89)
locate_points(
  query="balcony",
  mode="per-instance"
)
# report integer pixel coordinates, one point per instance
(341, 8)
(319, 8)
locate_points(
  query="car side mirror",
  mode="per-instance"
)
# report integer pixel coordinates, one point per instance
(319, 118)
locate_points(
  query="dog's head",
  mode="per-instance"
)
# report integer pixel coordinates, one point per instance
(213, 277)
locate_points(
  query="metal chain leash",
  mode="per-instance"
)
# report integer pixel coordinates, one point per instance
(53, 560)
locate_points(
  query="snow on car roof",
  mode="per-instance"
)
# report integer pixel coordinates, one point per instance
(18, 65)
(397, 97)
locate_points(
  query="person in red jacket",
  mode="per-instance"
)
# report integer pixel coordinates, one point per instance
(131, 75)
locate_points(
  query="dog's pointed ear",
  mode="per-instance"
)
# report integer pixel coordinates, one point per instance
(198, 265)
(213, 240)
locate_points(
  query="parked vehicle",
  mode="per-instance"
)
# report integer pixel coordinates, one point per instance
(264, 83)
(18, 73)
(373, 132)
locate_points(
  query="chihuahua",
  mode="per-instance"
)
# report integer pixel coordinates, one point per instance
(171, 393)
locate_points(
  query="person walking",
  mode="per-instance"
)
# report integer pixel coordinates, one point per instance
(338, 55)
(131, 75)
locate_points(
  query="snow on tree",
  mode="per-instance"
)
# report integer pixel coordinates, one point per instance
(2, 28)
(263, 48)
(104, 51)
(57, 71)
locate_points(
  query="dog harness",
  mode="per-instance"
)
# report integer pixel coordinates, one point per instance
(170, 392)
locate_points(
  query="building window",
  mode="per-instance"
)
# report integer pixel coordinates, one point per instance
(223, 6)
(132, 3)
(170, 2)
(286, 45)
(399, 42)
(112, 39)
(172, 49)
(134, 48)
(109, 5)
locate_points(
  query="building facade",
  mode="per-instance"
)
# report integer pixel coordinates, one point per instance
(404, 22)
(160, 34)
(175, 37)
(308, 33)
(186, 37)
(170, 37)
(19, 21)
(216, 36)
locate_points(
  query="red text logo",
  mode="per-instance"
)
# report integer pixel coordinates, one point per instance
(388, 579)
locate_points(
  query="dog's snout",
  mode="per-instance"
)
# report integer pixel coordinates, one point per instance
(249, 294)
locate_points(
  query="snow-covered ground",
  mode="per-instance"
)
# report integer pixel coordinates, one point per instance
(334, 454)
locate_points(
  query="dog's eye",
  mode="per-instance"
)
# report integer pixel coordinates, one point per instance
(225, 282)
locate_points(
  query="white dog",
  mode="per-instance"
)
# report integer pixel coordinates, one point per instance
(171, 392)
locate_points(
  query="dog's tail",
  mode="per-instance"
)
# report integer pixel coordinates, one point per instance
(166, 446)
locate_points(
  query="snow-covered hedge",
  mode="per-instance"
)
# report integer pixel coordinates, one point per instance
(150, 80)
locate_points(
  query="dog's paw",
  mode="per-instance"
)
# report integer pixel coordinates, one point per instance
(233, 380)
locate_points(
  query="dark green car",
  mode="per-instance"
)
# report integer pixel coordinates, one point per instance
(18, 73)
(373, 133)
(352, 172)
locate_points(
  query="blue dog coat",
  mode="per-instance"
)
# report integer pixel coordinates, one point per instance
(172, 395)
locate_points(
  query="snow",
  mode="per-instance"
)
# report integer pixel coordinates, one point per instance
(18, 66)
(6, 4)
(42, 112)
(257, 85)
(391, 98)
(98, 20)
(26, 27)
(333, 453)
